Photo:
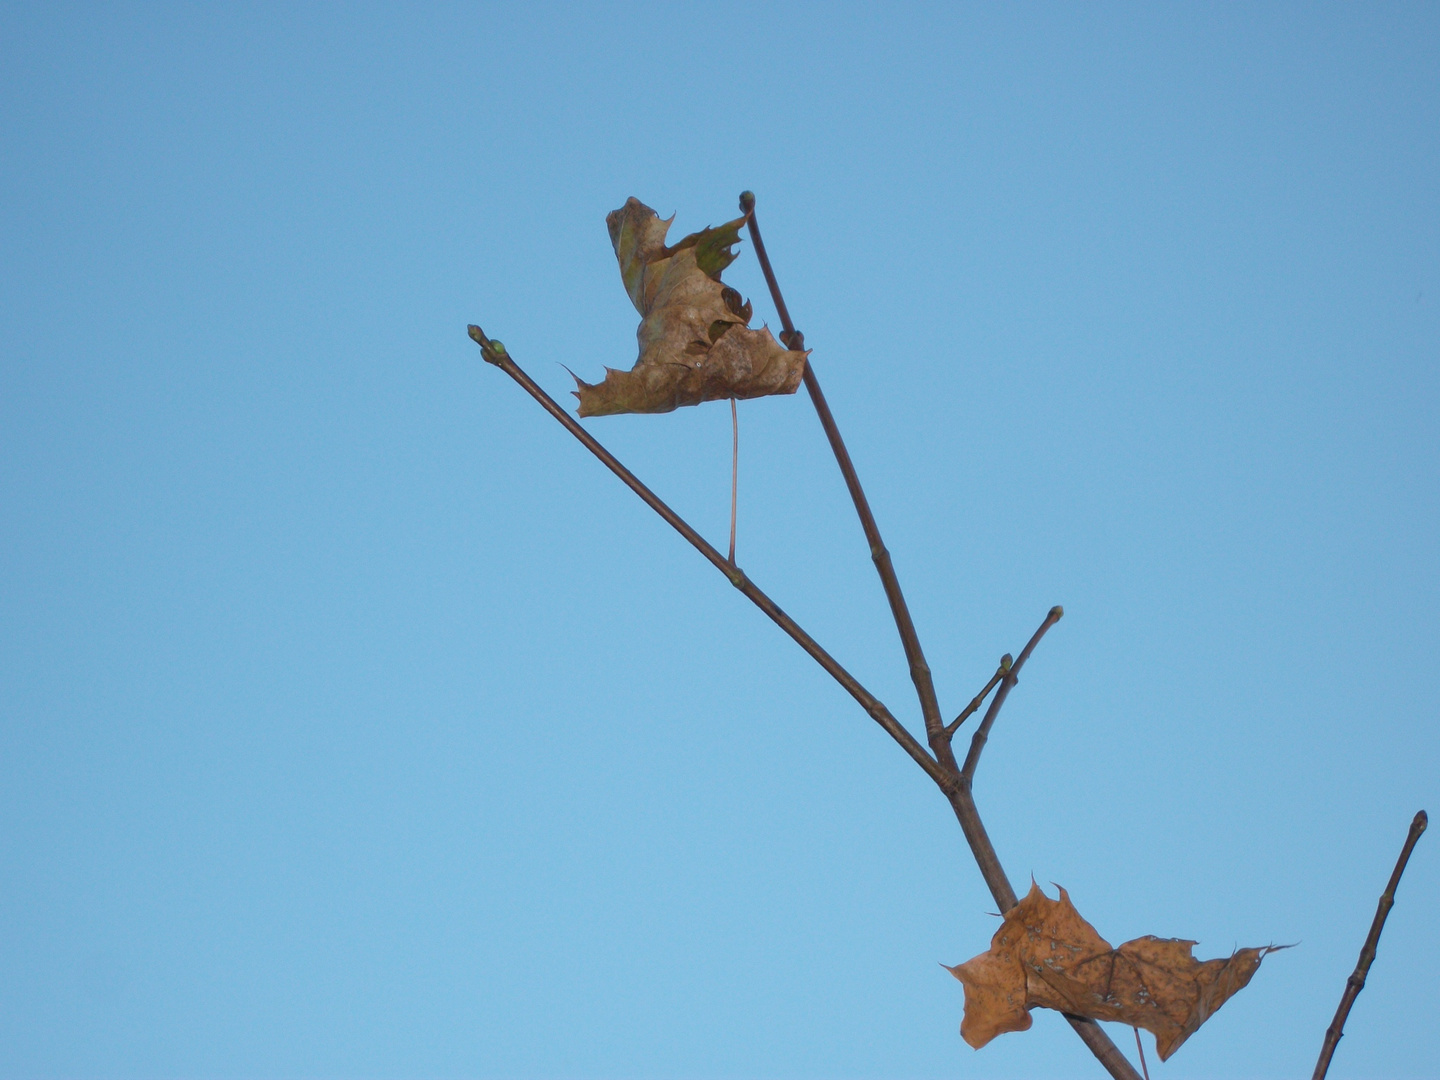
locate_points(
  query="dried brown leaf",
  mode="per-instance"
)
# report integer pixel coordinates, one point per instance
(695, 339)
(1045, 954)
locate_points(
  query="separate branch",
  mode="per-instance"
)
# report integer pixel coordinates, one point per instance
(1011, 677)
(494, 352)
(1356, 982)
(919, 669)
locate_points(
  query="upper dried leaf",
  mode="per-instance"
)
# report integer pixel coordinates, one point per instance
(1045, 954)
(695, 339)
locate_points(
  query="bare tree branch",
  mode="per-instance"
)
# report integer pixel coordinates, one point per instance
(943, 767)
(495, 353)
(914, 654)
(1356, 982)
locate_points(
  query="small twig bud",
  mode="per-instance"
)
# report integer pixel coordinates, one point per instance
(491, 350)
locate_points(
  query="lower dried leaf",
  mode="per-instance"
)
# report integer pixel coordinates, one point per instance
(1045, 954)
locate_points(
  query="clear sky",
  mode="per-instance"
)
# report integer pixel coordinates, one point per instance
(355, 722)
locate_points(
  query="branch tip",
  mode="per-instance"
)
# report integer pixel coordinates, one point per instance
(493, 351)
(1057, 613)
(1006, 661)
(747, 202)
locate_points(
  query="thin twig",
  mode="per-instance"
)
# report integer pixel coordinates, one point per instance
(982, 733)
(734, 473)
(495, 353)
(1143, 1067)
(979, 699)
(914, 655)
(1356, 982)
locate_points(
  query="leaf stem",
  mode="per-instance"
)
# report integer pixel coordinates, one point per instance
(495, 353)
(909, 639)
(734, 474)
(1356, 982)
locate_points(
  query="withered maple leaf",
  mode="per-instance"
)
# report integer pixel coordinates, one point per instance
(695, 338)
(1045, 954)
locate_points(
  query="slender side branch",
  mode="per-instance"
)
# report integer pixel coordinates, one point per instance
(914, 654)
(1356, 982)
(962, 800)
(494, 353)
(979, 699)
(982, 733)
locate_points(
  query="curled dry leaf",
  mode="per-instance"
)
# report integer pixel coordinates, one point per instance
(1045, 954)
(695, 338)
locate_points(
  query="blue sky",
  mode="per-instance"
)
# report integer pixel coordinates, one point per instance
(355, 722)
